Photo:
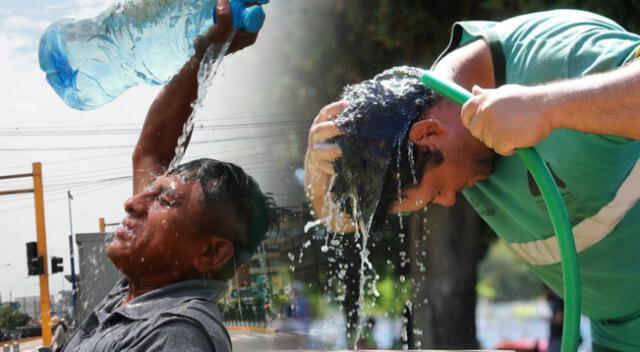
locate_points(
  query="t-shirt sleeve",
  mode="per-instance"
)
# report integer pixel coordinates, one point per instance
(553, 45)
(180, 334)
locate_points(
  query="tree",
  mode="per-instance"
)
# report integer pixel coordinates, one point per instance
(11, 318)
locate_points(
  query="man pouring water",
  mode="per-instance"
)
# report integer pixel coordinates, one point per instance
(185, 231)
(585, 124)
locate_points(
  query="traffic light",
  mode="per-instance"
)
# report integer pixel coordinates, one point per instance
(56, 265)
(35, 264)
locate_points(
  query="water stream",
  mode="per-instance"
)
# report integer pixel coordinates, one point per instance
(209, 65)
(378, 161)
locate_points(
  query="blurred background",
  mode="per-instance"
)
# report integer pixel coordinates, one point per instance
(437, 279)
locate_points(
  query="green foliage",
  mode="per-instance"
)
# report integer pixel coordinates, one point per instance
(257, 301)
(11, 318)
(502, 277)
(320, 301)
(277, 300)
(341, 42)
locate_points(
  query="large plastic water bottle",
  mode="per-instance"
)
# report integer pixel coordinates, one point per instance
(91, 61)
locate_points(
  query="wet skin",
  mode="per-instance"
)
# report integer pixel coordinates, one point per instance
(466, 159)
(168, 235)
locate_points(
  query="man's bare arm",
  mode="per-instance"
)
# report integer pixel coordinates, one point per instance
(514, 116)
(172, 106)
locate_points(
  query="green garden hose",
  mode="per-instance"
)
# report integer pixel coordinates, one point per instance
(557, 212)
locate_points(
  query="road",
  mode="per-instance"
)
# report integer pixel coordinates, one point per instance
(259, 341)
(242, 341)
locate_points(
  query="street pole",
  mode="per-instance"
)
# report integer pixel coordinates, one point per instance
(103, 224)
(74, 293)
(45, 304)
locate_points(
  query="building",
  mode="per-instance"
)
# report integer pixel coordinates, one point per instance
(29, 305)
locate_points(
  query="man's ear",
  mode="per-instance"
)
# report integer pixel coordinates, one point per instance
(426, 133)
(217, 253)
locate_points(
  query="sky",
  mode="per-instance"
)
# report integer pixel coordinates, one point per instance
(88, 152)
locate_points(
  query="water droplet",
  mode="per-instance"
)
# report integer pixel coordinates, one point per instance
(309, 225)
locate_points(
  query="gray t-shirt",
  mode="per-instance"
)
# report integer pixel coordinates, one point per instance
(176, 317)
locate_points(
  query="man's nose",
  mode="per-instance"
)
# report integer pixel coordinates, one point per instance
(137, 205)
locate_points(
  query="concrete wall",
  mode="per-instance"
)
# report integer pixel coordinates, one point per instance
(97, 273)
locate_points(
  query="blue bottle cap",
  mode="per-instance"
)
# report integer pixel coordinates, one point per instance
(252, 19)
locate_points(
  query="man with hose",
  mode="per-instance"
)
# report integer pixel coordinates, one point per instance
(585, 124)
(185, 232)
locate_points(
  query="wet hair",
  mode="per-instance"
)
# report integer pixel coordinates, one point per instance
(228, 183)
(378, 158)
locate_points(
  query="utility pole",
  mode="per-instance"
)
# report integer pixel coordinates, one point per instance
(74, 293)
(103, 225)
(45, 304)
(38, 197)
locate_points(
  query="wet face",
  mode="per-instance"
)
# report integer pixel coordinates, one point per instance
(466, 159)
(162, 233)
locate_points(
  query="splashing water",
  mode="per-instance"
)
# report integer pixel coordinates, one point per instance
(399, 181)
(405, 330)
(209, 65)
(377, 162)
(302, 248)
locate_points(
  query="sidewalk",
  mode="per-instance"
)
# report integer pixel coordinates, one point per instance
(26, 345)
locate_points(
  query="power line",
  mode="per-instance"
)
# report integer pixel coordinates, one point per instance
(249, 163)
(62, 188)
(130, 146)
(66, 160)
(138, 125)
(78, 176)
(46, 162)
(95, 189)
(74, 131)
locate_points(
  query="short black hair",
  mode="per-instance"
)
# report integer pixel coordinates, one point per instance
(378, 158)
(226, 182)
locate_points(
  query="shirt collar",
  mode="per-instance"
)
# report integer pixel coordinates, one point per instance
(165, 297)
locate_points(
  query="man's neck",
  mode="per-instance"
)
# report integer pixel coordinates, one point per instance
(139, 286)
(469, 65)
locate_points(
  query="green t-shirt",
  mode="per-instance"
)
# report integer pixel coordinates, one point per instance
(595, 173)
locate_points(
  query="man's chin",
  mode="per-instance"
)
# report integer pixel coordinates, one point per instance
(121, 256)
(117, 250)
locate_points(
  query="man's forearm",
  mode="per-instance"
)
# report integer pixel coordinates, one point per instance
(163, 125)
(607, 103)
